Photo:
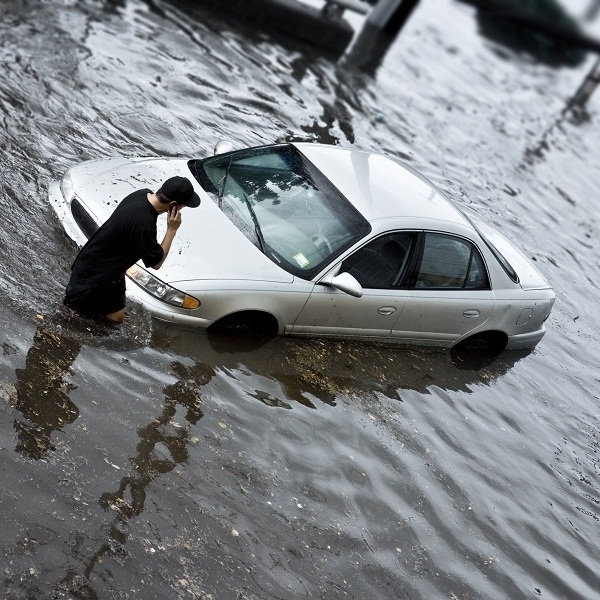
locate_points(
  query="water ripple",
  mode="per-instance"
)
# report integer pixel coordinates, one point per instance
(195, 465)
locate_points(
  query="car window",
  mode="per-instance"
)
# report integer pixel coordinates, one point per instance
(284, 205)
(450, 262)
(382, 263)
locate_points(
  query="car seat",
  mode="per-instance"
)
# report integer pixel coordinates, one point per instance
(377, 269)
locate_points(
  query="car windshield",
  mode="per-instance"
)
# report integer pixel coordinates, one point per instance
(284, 205)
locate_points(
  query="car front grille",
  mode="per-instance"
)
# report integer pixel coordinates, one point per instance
(83, 218)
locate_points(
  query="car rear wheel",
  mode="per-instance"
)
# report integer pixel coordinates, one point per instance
(479, 350)
(490, 341)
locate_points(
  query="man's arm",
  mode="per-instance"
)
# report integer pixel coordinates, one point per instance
(173, 223)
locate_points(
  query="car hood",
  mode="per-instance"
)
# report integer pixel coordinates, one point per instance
(102, 184)
(207, 244)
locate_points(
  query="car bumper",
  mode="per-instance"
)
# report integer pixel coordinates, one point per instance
(525, 340)
(161, 311)
(62, 210)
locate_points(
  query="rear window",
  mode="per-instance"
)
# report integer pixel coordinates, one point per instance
(492, 238)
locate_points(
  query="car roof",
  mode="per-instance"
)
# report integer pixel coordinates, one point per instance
(380, 186)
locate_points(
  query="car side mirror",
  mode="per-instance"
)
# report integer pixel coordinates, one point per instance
(345, 283)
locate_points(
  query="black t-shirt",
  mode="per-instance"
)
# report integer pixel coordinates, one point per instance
(126, 237)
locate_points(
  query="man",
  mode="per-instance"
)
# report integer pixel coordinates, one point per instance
(97, 284)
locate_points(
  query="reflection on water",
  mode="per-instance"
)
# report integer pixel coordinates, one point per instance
(536, 28)
(42, 392)
(42, 398)
(575, 112)
(308, 372)
(163, 444)
(352, 466)
(43, 385)
(308, 368)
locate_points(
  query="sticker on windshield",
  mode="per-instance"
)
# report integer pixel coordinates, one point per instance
(301, 260)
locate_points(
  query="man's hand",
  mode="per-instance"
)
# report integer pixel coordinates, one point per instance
(173, 218)
(173, 223)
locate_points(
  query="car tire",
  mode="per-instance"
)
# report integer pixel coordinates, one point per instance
(250, 322)
(479, 350)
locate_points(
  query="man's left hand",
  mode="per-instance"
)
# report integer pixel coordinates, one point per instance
(173, 218)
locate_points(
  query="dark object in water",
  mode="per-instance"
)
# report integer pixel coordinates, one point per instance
(285, 18)
(540, 28)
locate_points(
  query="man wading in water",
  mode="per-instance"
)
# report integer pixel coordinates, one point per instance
(97, 284)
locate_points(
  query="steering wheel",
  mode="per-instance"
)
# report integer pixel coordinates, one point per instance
(321, 243)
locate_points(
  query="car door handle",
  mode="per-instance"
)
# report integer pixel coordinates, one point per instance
(387, 310)
(471, 313)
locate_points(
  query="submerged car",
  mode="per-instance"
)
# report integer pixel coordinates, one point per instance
(312, 239)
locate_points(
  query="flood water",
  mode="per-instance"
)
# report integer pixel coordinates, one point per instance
(158, 462)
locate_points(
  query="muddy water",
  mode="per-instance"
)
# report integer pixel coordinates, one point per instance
(157, 462)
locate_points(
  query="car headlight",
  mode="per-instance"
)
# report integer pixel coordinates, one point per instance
(67, 188)
(161, 290)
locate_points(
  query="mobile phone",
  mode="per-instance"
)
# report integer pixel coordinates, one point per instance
(173, 208)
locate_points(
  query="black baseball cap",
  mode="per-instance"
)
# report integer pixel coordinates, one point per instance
(180, 190)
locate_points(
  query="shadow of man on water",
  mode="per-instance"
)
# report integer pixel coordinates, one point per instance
(149, 463)
(42, 392)
(161, 430)
(42, 386)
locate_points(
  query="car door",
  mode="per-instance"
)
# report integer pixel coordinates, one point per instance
(450, 292)
(379, 267)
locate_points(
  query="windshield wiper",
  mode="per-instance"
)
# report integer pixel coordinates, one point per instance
(257, 229)
(223, 183)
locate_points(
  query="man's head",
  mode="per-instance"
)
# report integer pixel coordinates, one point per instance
(180, 190)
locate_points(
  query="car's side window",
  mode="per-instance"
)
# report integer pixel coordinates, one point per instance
(382, 263)
(449, 262)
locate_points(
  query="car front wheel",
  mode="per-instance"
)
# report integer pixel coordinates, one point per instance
(251, 322)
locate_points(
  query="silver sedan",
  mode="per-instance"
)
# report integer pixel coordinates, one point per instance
(311, 239)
